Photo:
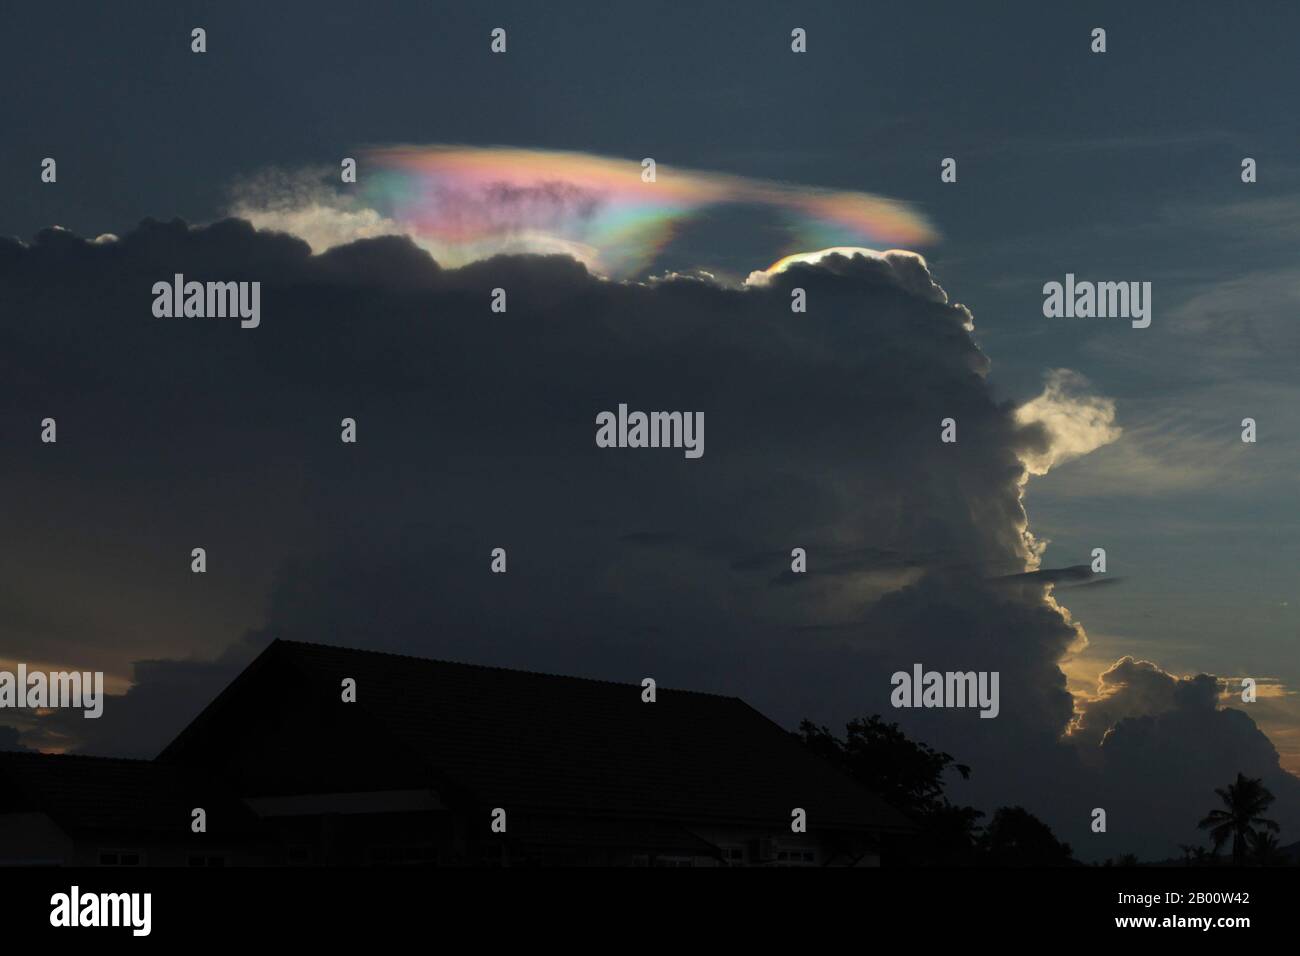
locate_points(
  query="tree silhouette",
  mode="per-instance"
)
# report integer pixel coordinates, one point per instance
(1265, 849)
(1015, 837)
(909, 776)
(1242, 818)
(1198, 855)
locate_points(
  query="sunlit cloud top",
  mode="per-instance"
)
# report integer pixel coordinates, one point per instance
(464, 204)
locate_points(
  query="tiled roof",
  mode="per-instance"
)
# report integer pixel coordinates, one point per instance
(92, 794)
(592, 748)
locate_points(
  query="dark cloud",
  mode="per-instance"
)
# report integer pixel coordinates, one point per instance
(1161, 745)
(1075, 576)
(1133, 688)
(10, 739)
(165, 696)
(476, 430)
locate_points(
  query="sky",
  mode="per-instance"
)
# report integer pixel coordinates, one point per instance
(1122, 166)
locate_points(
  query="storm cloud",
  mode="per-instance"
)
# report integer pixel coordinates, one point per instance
(1161, 743)
(475, 431)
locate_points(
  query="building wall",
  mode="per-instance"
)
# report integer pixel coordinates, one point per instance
(119, 850)
(750, 846)
(33, 839)
(401, 838)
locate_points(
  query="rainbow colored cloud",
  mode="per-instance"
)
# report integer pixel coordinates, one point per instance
(466, 203)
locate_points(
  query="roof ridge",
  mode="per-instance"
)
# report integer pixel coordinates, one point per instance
(69, 756)
(496, 667)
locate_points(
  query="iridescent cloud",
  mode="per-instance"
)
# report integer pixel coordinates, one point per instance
(466, 203)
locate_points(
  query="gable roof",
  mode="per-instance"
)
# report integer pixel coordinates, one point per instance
(568, 745)
(107, 794)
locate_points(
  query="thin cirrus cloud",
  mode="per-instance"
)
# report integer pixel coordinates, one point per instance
(464, 204)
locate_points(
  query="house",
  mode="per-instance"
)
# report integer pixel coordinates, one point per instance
(62, 810)
(351, 757)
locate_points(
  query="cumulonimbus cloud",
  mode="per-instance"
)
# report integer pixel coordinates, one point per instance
(476, 431)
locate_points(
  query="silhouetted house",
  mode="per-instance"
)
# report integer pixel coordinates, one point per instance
(584, 770)
(58, 810)
(417, 769)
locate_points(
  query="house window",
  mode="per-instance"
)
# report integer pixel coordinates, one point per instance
(733, 855)
(119, 858)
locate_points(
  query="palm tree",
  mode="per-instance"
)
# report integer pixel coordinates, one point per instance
(1245, 801)
(1265, 849)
